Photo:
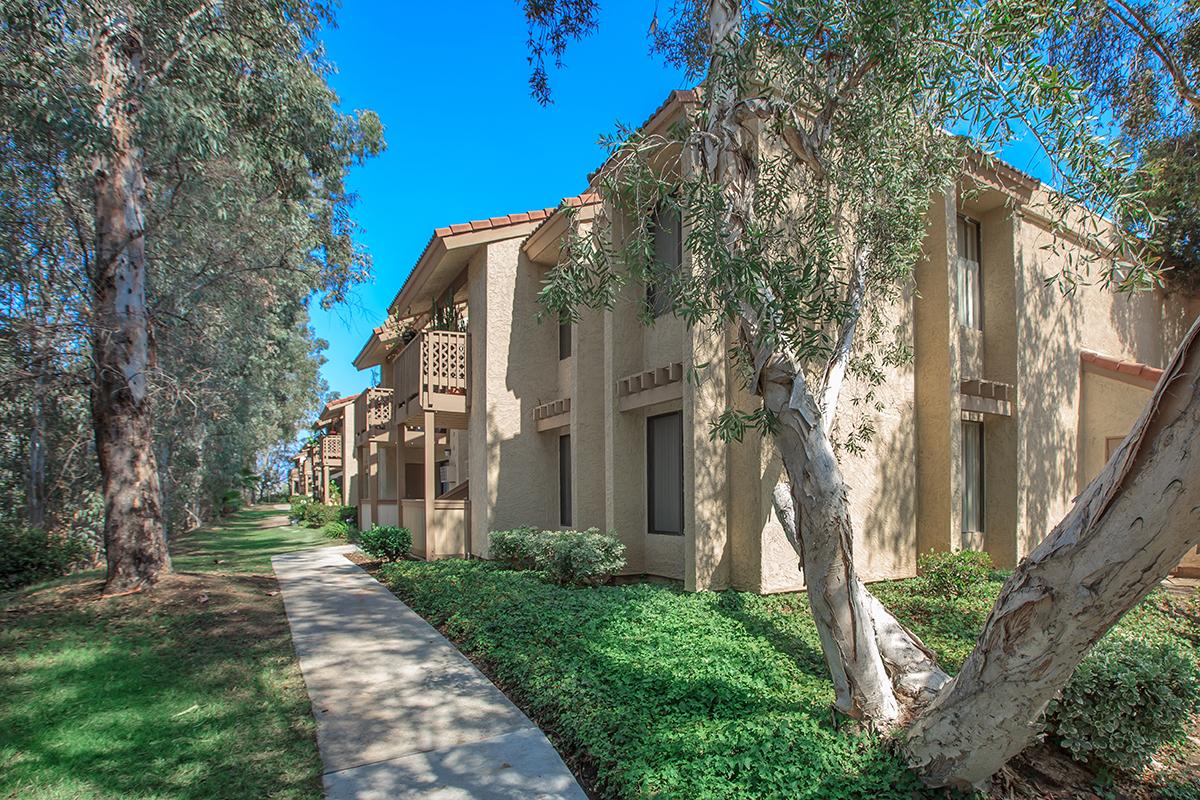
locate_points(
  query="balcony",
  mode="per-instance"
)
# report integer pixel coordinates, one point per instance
(432, 374)
(331, 450)
(372, 413)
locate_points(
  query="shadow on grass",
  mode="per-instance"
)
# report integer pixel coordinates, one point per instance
(191, 692)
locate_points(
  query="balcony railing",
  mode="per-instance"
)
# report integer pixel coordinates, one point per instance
(373, 410)
(331, 448)
(432, 374)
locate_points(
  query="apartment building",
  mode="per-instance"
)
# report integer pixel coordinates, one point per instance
(489, 416)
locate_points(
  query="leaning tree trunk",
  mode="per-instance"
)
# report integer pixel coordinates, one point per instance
(133, 529)
(869, 654)
(1131, 525)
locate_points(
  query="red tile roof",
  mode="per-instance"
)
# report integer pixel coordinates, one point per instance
(1129, 369)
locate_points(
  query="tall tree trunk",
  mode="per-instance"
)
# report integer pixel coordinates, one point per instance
(821, 530)
(35, 483)
(133, 529)
(1127, 530)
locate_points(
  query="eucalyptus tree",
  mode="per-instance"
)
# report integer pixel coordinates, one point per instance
(805, 178)
(1142, 62)
(130, 110)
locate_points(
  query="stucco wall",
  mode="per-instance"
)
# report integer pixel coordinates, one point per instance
(513, 367)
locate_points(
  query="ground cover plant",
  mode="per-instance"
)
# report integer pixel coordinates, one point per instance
(189, 693)
(651, 692)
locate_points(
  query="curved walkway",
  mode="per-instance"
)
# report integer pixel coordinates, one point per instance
(400, 712)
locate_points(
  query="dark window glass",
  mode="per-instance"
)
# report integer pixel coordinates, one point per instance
(972, 477)
(668, 255)
(564, 479)
(664, 473)
(564, 340)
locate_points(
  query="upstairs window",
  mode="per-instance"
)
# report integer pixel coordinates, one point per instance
(667, 229)
(970, 299)
(564, 340)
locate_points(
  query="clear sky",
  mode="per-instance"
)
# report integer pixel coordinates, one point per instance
(465, 139)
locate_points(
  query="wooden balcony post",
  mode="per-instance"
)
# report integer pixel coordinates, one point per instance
(372, 478)
(430, 482)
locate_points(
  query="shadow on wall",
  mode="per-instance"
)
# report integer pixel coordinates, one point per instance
(523, 461)
(885, 536)
(1050, 332)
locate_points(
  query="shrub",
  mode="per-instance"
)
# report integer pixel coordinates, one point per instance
(231, 501)
(348, 515)
(515, 547)
(953, 574)
(318, 515)
(582, 558)
(386, 542)
(336, 530)
(29, 555)
(1128, 697)
(585, 558)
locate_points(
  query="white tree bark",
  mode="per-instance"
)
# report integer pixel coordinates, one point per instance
(1127, 530)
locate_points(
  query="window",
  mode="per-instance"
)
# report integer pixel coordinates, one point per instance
(664, 473)
(667, 229)
(564, 340)
(564, 479)
(972, 477)
(970, 300)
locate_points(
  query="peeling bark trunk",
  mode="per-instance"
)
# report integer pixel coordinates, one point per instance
(821, 529)
(871, 656)
(1127, 530)
(133, 531)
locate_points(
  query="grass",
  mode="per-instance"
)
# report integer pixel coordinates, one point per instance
(650, 692)
(189, 692)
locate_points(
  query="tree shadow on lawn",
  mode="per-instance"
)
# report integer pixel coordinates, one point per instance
(242, 543)
(190, 693)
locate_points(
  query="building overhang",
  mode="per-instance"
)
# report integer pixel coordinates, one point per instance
(1132, 372)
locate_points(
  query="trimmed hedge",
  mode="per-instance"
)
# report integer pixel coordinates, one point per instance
(386, 542)
(575, 558)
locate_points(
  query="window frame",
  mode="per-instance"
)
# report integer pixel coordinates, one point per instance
(974, 236)
(566, 340)
(650, 462)
(981, 483)
(658, 302)
(566, 506)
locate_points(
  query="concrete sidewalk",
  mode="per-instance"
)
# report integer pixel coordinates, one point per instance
(400, 712)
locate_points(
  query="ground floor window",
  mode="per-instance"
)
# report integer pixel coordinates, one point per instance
(664, 473)
(564, 479)
(972, 477)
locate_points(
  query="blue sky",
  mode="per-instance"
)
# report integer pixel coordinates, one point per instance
(465, 139)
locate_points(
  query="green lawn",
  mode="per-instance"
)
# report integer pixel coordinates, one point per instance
(192, 691)
(650, 692)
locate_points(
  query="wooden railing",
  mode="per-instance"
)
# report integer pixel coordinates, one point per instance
(331, 447)
(432, 369)
(373, 409)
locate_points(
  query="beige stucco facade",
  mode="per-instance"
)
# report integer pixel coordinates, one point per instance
(477, 447)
